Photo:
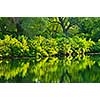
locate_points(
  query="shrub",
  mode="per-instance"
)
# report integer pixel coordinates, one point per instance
(40, 46)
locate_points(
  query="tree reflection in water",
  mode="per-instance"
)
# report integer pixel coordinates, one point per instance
(51, 70)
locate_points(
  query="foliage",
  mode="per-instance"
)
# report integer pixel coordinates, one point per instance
(57, 46)
(74, 45)
(88, 27)
(40, 46)
(13, 47)
(34, 25)
(80, 45)
(96, 47)
(48, 70)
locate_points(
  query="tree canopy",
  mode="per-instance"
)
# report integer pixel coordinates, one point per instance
(49, 35)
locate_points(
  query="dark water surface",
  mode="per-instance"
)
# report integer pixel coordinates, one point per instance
(51, 70)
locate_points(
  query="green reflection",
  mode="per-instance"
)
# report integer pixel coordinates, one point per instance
(51, 70)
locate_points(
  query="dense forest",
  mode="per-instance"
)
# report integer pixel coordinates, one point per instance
(49, 36)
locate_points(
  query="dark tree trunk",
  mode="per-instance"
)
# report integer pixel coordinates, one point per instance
(63, 25)
(18, 22)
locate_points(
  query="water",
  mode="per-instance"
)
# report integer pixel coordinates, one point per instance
(84, 69)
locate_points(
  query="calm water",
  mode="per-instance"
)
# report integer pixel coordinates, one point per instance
(51, 70)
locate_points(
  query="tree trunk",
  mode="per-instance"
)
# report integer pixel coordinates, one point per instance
(18, 22)
(63, 25)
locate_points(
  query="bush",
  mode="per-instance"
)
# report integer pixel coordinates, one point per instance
(79, 45)
(40, 46)
(13, 47)
(96, 47)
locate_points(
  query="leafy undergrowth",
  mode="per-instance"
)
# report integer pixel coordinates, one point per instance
(40, 46)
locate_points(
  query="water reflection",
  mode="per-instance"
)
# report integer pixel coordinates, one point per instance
(51, 70)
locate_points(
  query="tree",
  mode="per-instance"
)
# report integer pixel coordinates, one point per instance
(11, 26)
(28, 26)
(59, 24)
(34, 26)
(89, 27)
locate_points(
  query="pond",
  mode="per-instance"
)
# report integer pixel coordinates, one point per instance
(77, 69)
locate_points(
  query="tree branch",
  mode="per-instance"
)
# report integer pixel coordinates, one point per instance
(68, 27)
(54, 22)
